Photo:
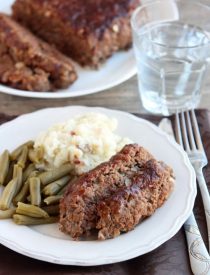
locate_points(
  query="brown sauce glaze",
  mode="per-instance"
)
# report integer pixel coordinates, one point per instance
(90, 16)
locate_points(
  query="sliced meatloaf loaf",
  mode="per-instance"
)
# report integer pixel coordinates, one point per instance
(129, 205)
(28, 63)
(89, 31)
(86, 203)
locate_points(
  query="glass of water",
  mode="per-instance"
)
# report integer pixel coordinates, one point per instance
(172, 46)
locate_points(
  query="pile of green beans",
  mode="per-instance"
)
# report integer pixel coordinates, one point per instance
(30, 195)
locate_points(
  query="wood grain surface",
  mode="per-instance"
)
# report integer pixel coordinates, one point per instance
(123, 97)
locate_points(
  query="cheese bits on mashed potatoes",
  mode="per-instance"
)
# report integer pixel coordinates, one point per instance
(84, 141)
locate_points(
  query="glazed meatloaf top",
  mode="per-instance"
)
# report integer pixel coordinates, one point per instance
(28, 60)
(89, 31)
(86, 16)
(129, 205)
(78, 208)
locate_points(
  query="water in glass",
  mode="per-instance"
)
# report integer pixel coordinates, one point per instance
(171, 59)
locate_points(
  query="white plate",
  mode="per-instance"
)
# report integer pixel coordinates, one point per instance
(46, 243)
(119, 68)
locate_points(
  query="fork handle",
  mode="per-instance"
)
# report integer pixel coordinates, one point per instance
(205, 197)
(198, 254)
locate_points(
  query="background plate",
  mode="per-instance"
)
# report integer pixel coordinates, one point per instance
(46, 243)
(119, 68)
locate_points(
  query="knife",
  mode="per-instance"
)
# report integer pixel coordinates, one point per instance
(198, 254)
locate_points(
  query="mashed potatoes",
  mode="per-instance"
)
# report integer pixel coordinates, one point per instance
(85, 141)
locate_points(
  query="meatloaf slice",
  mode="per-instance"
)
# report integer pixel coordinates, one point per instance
(28, 63)
(80, 208)
(89, 31)
(122, 211)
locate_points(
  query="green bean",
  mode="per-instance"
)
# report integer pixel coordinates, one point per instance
(7, 214)
(35, 191)
(32, 155)
(22, 195)
(24, 220)
(31, 210)
(18, 173)
(62, 191)
(35, 155)
(30, 168)
(51, 209)
(4, 166)
(29, 198)
(8, 194)
(54, 187)
(40, 152)
(9, 174)
(55, 174)
(22, 159)
(15, 154)
(52, 199)
(34, 174)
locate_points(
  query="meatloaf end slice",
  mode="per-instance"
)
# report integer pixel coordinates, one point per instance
(129, 205)
(28, 63)
(78, 208)
(88, 31)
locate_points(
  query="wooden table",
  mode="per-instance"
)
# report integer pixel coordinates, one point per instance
(123, 97)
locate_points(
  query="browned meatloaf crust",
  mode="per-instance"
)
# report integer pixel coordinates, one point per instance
(89, 31)
(28, 63)
(116, 195)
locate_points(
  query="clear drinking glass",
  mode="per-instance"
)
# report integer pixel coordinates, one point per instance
(172, 46)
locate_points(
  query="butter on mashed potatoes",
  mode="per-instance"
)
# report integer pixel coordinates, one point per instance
(84, 141)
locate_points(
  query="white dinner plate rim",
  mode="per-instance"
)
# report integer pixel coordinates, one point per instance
(16, 246)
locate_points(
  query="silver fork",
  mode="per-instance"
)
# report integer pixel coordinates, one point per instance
(198, 254)
(188, 136)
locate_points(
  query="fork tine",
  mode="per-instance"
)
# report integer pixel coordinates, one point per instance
(184, 131)
(190, 131)
(178, 130)
(196, 131)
